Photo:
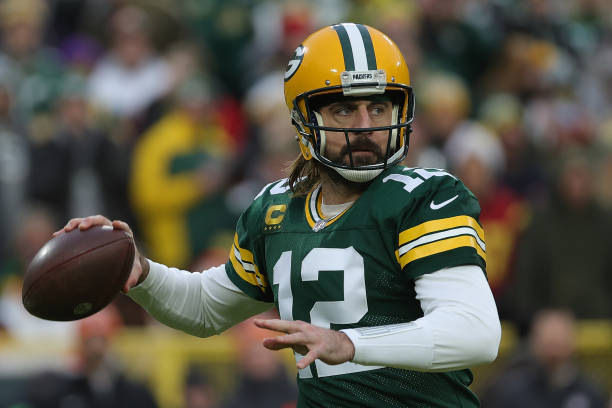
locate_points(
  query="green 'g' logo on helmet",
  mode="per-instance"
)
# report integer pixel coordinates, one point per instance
(294, 62)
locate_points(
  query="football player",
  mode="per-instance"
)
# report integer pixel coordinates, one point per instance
(377, 270)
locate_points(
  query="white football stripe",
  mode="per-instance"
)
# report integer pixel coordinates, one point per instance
(313, 204)
(442, 235)
(246, 265)
(237, 254)
(359, 54)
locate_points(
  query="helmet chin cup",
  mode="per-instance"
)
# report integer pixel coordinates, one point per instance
(358, 176)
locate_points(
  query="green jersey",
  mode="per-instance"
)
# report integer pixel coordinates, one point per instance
(357, 269)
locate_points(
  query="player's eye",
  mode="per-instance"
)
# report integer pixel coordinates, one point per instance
(343, 110)
(378, 110)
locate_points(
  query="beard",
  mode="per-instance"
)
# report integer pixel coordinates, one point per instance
(360, 143)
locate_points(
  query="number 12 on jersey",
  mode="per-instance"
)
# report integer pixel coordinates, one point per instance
(323, 313)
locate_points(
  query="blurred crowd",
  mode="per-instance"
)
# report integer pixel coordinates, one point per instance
(171, 116)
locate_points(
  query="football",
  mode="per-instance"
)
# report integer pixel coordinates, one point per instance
(76, 274)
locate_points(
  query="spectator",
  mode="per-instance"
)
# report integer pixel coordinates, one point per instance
(477, 157)
(547, 376)
(564, 258)
(66, 175)
(444, 103)
(125, 90)
(271, 132)
(523, 172)
(453, 42)
(179, 172)
(14, 164)
(224, 30)
(604, 169)
(98, 381)
(33, 67)
(199, 391)
(130, 76)
(34, 227)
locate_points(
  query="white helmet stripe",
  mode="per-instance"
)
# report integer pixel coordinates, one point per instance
(359, 52)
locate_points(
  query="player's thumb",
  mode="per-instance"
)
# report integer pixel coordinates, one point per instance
(140, 270)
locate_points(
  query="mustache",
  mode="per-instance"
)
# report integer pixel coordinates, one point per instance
(361, 143)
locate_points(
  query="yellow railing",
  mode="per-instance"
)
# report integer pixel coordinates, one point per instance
(161, 357)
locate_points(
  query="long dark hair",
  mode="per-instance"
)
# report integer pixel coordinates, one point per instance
(304, 176)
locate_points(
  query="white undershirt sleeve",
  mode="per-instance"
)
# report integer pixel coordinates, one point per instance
(201, 304)
(460, 327)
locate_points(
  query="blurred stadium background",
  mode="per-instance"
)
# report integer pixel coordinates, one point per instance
(170, 116)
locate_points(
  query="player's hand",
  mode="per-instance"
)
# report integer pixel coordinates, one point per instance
(140, 267)
(313, 342)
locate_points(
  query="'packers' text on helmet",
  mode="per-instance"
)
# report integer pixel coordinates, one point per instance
(350, 60)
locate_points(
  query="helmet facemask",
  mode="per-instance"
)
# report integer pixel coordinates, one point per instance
(312, 131)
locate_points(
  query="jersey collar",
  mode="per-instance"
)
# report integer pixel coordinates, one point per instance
(314, 215)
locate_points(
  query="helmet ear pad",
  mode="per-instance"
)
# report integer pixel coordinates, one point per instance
(319, 121)
(394, 132)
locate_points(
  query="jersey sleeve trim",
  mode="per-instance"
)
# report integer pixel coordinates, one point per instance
(242, 261)
(436, 236)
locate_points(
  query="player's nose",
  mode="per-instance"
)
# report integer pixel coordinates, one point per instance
(362, 118)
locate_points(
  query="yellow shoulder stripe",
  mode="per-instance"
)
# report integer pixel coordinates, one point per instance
(439, 225)
(245, 255)
(244, 264)
(441, 246)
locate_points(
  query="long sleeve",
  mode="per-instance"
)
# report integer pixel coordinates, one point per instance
(201, 304)
(460, 327)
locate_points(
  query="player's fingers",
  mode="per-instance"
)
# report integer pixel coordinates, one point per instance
(73, 223)
(117, 224)
(129, 284)
(70, 225)
(284, 326)
(307, 360)
(271, 324)
(93, 220)
(273, 344)
(126, 287)
(132, 280)
(285, 341)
